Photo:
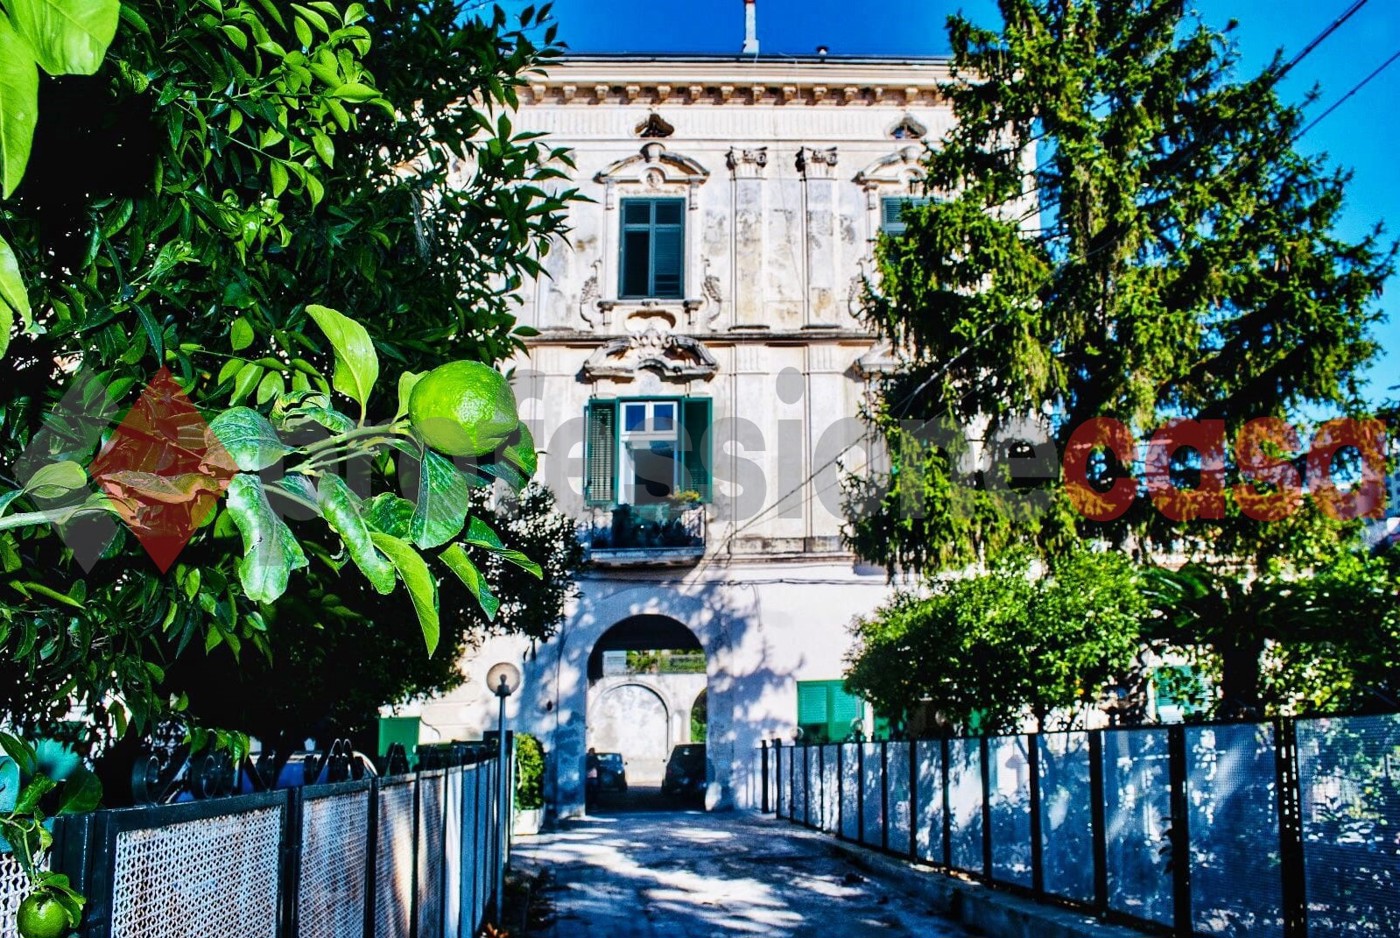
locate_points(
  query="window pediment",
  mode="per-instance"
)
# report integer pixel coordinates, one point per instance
(656, 169)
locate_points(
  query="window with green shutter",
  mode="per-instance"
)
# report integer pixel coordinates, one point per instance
(892, 213)
(653, 249)
(644, 451)
(600, 453)
(825, 711)
(698, 457)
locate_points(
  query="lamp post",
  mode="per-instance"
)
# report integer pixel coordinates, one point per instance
(504, 680)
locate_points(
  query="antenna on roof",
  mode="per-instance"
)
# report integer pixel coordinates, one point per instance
(750, 28)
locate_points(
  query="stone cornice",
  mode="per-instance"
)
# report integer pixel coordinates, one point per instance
(579, 338)
(655, 82)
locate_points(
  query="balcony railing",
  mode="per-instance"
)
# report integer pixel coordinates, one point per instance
(646, 535)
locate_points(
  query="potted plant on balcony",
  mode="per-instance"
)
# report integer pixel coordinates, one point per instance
(529, 784)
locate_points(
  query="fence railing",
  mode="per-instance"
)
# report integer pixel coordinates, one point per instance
(408, 856)
(1281, 829)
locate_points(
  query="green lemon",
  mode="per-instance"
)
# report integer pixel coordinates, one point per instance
(41, 916)
(463, 409)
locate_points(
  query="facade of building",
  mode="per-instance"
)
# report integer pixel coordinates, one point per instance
(695, 388)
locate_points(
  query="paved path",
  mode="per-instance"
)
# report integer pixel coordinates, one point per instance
(688, 874)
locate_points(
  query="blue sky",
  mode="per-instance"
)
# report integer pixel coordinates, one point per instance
(1363, 134)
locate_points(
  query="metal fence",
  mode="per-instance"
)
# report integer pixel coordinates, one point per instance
(409, 856)
(1281, 829)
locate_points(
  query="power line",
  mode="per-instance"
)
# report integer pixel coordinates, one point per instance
(1354, 89)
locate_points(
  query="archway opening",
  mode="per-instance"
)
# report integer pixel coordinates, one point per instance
(646, 676)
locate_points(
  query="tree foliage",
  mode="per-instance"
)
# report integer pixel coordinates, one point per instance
(1012, 641)
(1122, 228)
(226, 169)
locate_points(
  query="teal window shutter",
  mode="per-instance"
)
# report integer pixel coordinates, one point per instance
(697, 416)
(811, 703)
(600, 453)
(653, 249)
(892, 213)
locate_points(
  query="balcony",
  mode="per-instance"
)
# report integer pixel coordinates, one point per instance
(663, 535)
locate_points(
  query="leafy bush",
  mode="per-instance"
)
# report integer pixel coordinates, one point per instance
(529, 773)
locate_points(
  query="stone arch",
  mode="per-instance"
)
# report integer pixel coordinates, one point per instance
(563, 674)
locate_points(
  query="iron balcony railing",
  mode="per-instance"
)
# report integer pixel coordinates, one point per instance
(658, 535)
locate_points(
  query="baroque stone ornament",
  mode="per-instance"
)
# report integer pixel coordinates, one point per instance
(898, 173)
(668, 354)
(817, 162)
(588, 298)
(747, 163)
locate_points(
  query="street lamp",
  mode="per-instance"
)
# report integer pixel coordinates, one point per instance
(504, 680)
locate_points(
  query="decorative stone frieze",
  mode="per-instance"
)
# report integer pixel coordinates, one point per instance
(667, 354)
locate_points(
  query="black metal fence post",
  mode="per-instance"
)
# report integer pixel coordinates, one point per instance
(413, 875)
(860, 792)
(840, 790)
(763, 786)
(947, 749)
(985, 752)
(884, 795)
(777, 778)
(371, 855)
(1037, 847)
(913, 799)
(821, 788)
(1097, 821)
(1290, 829)
(290, 872)
(1180, 834)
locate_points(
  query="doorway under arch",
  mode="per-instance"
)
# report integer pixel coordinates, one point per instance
(645, 675)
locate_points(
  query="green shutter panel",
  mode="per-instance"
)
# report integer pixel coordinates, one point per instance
(600, 453)
(668, 262)
(844, 707)
(811, 702)
(698, 458)
(892, 215)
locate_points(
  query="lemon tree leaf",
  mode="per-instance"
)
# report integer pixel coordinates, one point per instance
(341, 509)
(69, 37)
(14, 298)
(520, 450)
(81, 792)
(356, 362)
(19, 106)
(442, 502)
(422, 588)
(390, 514)
(56, 480)
(240, 334)
(407, 381)
(460, 564)
(270, 550)
(249, 438)
(480, 534)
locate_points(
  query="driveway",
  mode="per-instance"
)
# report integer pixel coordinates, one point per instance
(688, 874)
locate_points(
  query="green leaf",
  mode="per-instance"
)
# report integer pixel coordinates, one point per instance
(355, 91)
(520, 450)
(246, 381)
(19, 106)
(480, 534)
(56, 480)
(521, 561)
(325, 149)
(14, 298)
(82, 792)
(407, 381)
(249, 438)
(278, 172)
(422, 588)
(459, 563)
(240, 334)
(442, 502)
(270, 550)
(356, 362)
(69, 37)
(341, 509)
(389, 514)
(20, 751)
(269, 387)
(37, 788)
